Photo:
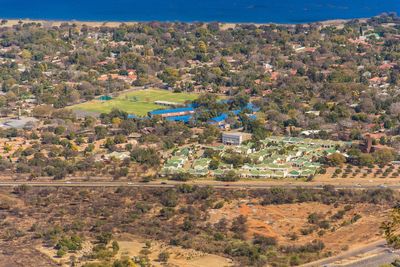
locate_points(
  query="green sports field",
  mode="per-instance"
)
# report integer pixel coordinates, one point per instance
(136, 102)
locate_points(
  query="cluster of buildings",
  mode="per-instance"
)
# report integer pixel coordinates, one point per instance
(188, 113)
(129, 78)
(276, 157)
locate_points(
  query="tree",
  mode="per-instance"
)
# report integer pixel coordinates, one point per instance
(169, 76)
(383, 156)
(115, 246)
(336, 159)
(366, 159)
(43, 111)
(395, 109)
(213, 165)
(239, 226)
(100, 131)
(104, 238)
(230, 176)
(147, 156)
(391, 228)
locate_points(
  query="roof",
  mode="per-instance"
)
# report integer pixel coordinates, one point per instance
(252, 117)
(185, 118)
(219, 118)
(175, 110)
(169, 103)
(132, 116)
(105, 98)
(232, 134)
(118, 155)
(252, 107)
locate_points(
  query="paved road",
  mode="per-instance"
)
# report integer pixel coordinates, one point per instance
(371, 255)
(378, 260)
(169, 184)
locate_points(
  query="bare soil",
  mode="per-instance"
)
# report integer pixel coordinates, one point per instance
(284, 221)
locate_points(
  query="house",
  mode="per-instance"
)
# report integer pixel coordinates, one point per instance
(313, 112)
(169, 104)
(117, 155)
(309, 132)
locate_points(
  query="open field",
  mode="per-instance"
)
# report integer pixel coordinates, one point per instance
(136, 102)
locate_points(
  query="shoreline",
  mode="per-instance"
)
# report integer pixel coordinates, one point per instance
(55, 22)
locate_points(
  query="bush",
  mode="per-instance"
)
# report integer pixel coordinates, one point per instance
(324, 224)
(322, 171)
(314, 218)
(264, 242)
(230, 176)
(183, 177)
(163, 256)
(73, 243)
(61, 252)
(338, 171)
(355, 218)
(219, 205)
(307, 231)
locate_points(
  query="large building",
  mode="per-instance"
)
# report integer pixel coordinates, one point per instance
(165, 113)
(234, 138)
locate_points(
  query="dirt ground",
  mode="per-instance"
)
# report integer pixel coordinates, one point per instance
(285, 221)
(51, 253)
(362, 175)
(26, 256)
(131, 246)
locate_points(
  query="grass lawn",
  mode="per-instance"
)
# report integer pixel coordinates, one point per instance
(136, 102)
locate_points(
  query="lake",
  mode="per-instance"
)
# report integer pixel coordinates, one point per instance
(258, 11)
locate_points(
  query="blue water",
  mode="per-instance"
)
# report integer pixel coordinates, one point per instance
(261, 11)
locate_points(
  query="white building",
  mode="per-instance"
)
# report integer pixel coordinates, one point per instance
(232, 138)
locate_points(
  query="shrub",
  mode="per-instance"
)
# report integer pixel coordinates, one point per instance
(219, 205)
(264, 242)
(183, 177)
(230, 176)
(163, 256)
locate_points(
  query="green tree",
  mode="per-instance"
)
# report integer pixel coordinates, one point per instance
(383, 156)
(336, 159)
(391, 228)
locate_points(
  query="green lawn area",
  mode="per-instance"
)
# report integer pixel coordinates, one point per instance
(136, 102)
